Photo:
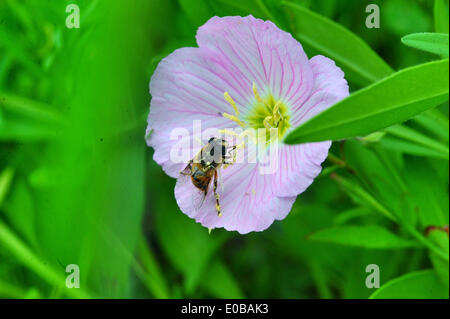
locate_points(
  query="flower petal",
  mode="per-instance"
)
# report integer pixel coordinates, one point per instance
(247, 201)
(329, 88)
(189, 85)
(186, 86)
(298, 165)
(257, 51)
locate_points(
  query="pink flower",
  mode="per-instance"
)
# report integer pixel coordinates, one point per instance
(270, 82)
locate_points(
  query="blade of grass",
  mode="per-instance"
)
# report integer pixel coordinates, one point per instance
(33, 109)
(43, 269)
(154, 277)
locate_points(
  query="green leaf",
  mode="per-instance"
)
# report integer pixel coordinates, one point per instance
(440, 16)
(352, 213)
(440, 238)
(35, 110)
(371, 237)
(434, 122)
(418, 138)
(392, 100)
(152, 276)
(10, 290)
(5, 182)
(41, 267)
(19, 128)
(405, 147)
(423, 284)
(436, 43)
(361, 196)
(20, 211)
(17, 49)
(427, 192)
(360, 63)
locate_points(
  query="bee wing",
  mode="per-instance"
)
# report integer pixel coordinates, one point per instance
(187, 170)
(197, 195)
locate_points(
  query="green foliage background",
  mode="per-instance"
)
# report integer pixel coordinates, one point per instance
(78, 184)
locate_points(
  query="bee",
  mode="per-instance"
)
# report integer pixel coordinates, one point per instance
(204, 167)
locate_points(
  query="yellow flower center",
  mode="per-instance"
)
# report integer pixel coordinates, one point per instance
(267, 113)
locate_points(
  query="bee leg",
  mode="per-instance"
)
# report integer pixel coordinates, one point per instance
(216, 195)
(228, 163)
(231, 157)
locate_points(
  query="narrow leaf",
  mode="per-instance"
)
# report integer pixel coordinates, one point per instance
(440, 16)
(361, 196)
(440, 238)
(418, 138)
(11, 242)
(392, 100)
(436, 43)
(6, 177)
(435, 122)
(373, 237)
(32, 109)
(402, 146)
(416, 285)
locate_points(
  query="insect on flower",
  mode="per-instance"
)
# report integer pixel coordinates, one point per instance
(245, 74)
(204, 167)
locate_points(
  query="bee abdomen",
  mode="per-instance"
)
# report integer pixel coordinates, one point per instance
(200, 180)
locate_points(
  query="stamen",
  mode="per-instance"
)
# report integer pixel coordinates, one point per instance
(230, 100)
(266, 122)
(276, 108)
(233, 118)
(255, 91)
(276, 112)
